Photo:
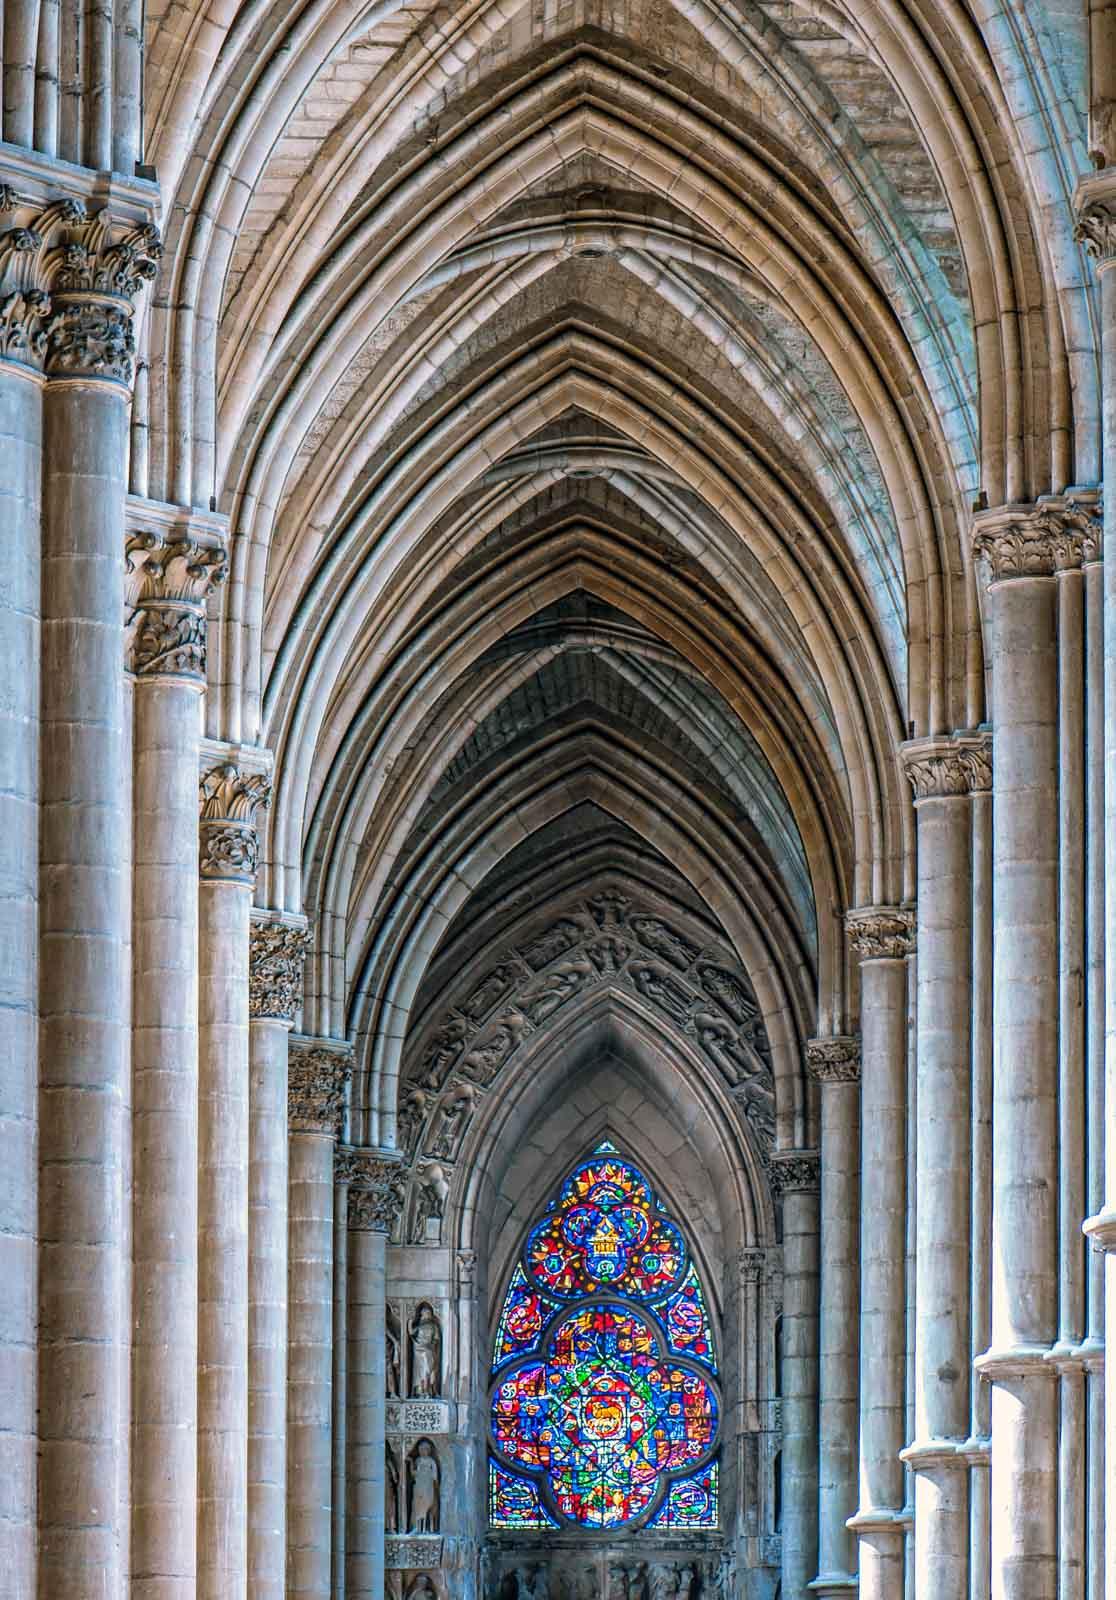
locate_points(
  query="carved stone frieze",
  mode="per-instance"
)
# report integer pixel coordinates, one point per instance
(228, 847)
(415, 1550)
(605, 939)
(277, 955)
(834, 1060)
(794, 1171)
(880, 933)
(168, 581)
(317, 1078)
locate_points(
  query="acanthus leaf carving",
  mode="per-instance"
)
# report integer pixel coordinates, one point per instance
(168, 581)
(228, 846)
(794, 1171)
(376, 1183)
(1036, 542)
(277, 954)
(1096, 230)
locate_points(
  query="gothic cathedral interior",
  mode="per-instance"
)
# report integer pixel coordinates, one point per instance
(557, 799)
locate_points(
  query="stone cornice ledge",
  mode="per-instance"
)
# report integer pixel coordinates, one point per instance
(1014, 1361)
(880, 1519)
(40, 179)
(1101, 1230)
(252, 758)
(833, 1583)
(923, 1455)
(1085, 1356)
(180, 522)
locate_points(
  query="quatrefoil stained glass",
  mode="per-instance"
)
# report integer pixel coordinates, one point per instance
(603, 1412)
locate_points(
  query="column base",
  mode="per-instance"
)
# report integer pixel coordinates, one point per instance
(923, 1455)
(879, 1519)
(833, 1583)
(1002, 1363)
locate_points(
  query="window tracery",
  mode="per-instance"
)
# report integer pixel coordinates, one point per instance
(604, 1412)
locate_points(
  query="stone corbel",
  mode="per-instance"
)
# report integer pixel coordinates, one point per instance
(277, 956)
(173, 560)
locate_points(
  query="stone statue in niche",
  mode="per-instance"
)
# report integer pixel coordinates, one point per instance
(426, 1353)
(687, 1583)
(662, 1583)
(422, 1587)
(433, 1193)
(425, 1479)
(540, 1582)
(618, 1588)
(587, 1584)
(638, 1588)
(391, 1491)
(394, 1353)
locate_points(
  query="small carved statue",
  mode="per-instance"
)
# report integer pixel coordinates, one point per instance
(433, 1193)
(687, 1583)
(662, 1582)
(618, 1582)
(391, 1491)
(426, 1495)
(638, 1584)
(587, 1587)
(540, 1586)
(426, 1353)
(392, 1340)
(422, 1588)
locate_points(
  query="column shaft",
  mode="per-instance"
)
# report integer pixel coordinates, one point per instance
(223, 1242)
(942, 1065)
(267, 1311)
(835, 1063)
(980, 1299)
(799, 1371)
(340, 1379)
(881, 937)
(1022, 653)
(83, 1045)
(21, 425)
(1094, 1061)
(165, 1140)
(310, 1366)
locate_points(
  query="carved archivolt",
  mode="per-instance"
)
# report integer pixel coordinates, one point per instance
(698, 987)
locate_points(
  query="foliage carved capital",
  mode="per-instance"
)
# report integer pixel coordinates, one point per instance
(1058, 535)
(318, 1076)
(795, 1171)
(228, 847)
(276, 957)
(168, 581)
(834, 1060)
(376, 1182)
(880, 933)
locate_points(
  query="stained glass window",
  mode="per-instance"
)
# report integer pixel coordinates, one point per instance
(603, 1412)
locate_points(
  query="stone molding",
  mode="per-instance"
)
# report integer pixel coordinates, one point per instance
(880, 933)
(941, 769)
(318, 1075)
(173, 561)
(834, 1060)
(1056, 534)
(228, 849)
(69, 279)
(376, 1182)
(795, 1171)
(277, 954)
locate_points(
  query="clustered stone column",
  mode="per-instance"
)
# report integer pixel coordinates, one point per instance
(1096, 200)
(794, 1177)
(227, 856)
(1021, 550)
(86, 273)
(375, 1183)
(942, 773)
(318, 1079)
(834, 1064)
(881, 937)
(170, 571)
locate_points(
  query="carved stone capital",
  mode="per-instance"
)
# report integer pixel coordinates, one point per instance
(795, 1171)
(69, 277)
(169, 576)
(228, 847)
(975, 750)
(834, 1060)
(935, 769)
(1056, 535)
(377, 1183)
(276, 957)
(318, 1075)
(880, 933)
(1095, 203)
